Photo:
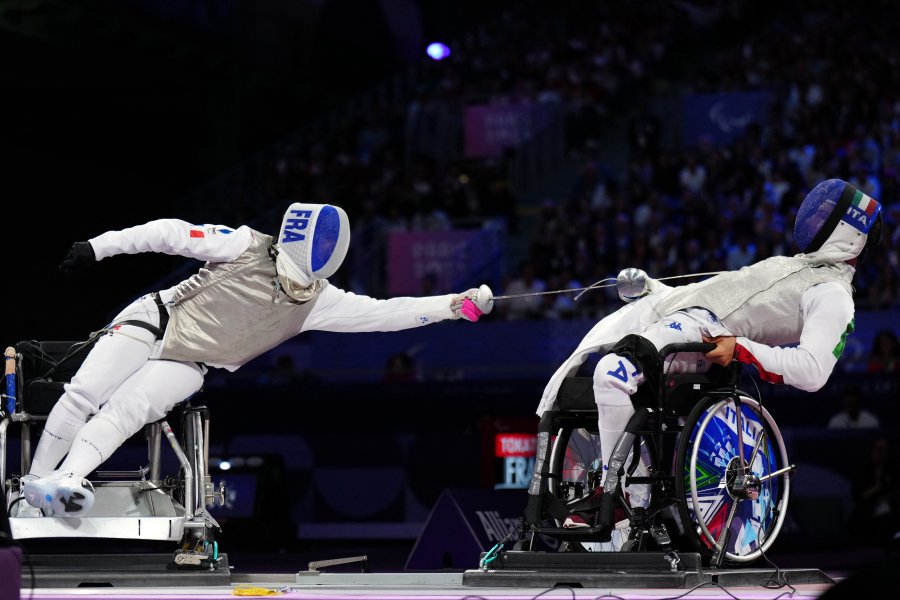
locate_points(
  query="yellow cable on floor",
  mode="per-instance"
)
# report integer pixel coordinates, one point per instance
(255, 591)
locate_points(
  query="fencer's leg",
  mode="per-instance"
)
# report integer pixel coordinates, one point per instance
(616, 378)
(679, 328)
(110, 362)
(147, 396)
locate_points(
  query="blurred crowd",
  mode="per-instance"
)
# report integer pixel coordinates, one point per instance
(679, 206)
(703, 207)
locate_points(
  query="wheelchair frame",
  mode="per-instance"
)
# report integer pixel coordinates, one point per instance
(142, 505)
(668, 440)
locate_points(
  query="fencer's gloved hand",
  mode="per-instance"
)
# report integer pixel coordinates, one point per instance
(80, 256)
(473, 303)
(632, 283)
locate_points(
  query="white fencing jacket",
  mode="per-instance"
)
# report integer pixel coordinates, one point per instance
(798, 349)
(231, 311)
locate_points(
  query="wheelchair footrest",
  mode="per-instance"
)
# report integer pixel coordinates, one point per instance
(576, 561)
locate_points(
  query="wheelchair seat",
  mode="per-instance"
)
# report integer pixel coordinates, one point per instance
(142, 505)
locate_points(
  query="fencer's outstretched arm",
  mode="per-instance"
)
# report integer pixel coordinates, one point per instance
(342, 311)
(212, 243)
(827, 312)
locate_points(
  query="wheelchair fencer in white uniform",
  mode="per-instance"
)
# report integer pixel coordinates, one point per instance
(786, 316)
(253, 293)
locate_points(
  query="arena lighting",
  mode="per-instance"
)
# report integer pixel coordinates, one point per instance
(437, 51)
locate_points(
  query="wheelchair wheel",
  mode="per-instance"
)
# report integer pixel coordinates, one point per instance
(575, 465)
(732, 511)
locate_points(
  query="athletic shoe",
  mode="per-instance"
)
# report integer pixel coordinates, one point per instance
(574, 521)
(60, 494)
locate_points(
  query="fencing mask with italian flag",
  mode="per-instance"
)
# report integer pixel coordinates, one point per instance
(835, 213)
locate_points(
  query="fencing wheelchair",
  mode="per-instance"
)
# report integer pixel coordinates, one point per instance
(701, 467)
(143, 505)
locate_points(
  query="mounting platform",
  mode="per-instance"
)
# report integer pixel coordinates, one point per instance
(622, 570)
(119, 570)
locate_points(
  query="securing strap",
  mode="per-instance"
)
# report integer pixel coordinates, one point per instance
(163, 319)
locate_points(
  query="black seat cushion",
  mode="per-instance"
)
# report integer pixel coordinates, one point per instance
(45, 368)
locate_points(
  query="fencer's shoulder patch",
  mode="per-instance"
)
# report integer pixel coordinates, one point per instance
(201, 231)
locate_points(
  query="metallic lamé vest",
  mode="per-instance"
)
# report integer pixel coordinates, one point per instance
(229, 313)
(761, 301)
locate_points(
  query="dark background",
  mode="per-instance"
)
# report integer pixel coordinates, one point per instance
(114, 111)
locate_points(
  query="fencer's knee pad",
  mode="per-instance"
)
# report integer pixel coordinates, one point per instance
(616, 372)
(645, 358)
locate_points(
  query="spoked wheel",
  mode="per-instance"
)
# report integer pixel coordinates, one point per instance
(575, 468)
(575, 472)
(736, 479)
(575, 464)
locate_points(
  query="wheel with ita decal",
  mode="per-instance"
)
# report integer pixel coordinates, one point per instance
(735, 479)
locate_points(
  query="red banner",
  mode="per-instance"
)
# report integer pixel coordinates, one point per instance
(515, 444)
(438, 254)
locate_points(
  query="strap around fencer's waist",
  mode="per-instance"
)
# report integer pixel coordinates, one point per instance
(163, 314)
(163, 319)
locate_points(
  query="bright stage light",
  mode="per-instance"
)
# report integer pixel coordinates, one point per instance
(437, 51)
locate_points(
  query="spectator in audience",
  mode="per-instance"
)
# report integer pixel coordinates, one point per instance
(692, 175)
(876, 493)
(285, 372)
(400, 368)
(743, 251)
(853, 415)
(885, 354)
(527, 282)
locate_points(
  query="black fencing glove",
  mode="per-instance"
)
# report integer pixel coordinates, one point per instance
(80, 256)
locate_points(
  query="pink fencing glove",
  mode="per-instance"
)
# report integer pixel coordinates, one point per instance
(473, 303)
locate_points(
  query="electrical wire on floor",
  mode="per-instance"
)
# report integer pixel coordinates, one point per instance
(492, 554)
(572, 593)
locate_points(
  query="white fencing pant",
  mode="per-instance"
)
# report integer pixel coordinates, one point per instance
(117, 390)
(616, 378)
